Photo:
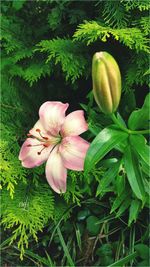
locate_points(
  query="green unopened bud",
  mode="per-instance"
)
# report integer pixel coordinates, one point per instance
(106, 82)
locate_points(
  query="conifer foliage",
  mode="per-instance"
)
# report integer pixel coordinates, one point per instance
(47, 49)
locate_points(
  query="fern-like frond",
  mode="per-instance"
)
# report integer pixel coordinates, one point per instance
(145, 24)
(115, 15)
(73, 193)
(66, 53)
(34, 72)
(90, 32)
(137, 75)
(9, 39)
(27, 213)
(142, 5)
(11, 169)
(30, 73)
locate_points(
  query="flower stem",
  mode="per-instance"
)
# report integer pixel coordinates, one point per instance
(116, 121)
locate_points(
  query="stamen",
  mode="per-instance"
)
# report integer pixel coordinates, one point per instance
(35, 145)
(45, 145)
(46, 138)
(39, 153)
(39, 131)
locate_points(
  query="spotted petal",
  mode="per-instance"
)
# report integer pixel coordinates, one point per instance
(73, 150)
(74, 124)
(29, 153)
(56, 173)
(52, 115)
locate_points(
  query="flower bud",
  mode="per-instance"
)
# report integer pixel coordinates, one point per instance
(106, 82)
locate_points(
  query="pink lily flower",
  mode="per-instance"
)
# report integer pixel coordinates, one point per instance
(54, 138)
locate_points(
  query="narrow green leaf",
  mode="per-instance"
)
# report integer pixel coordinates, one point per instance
(139, 119)
(78, 236)
(134, 210)
(106, 163)
(121, 120)
(125, 260)
(145, 168)
(51, 264)
(138, 143)
(119, 200)
(123, 207)
(120, 183)
(37, 257)
(108, 177)
(133, 173)
(102, 144)
(66, 251)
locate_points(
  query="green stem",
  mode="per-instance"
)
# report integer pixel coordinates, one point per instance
(140, 132)
(115, 120)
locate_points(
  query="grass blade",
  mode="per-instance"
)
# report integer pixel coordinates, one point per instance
(66, 251)
(123, 261)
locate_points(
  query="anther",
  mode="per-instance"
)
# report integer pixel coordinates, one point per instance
(45, 145)
(46, 138)
(39, 131)
(39, 153)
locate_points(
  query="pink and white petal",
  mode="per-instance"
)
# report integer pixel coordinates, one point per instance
(52, 116)
(38, 126)
(56, 173)
(74, 124)
(73, 151)
(29, 153)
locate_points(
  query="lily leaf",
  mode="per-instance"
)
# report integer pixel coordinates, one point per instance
(134, 173)
(134, 210)
(139, 119)
(104, 142)
(108, 177)
(138, 143)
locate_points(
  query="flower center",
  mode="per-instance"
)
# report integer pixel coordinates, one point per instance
(46, 141)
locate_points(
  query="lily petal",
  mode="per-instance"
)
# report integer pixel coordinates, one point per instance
(74, 124)
(38, 126)
(73, 150)
(52, 115)
(29, 153)
(56, 173)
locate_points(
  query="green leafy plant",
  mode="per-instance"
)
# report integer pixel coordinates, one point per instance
(47, 47)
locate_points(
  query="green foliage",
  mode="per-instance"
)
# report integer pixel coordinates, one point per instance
(130, 37)
(47, 48)
(93, 225)
(133, 4)
(66, 53)
(11, 170)
(115, 14)
(27, 213)
(102, 144)
(139, 119)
